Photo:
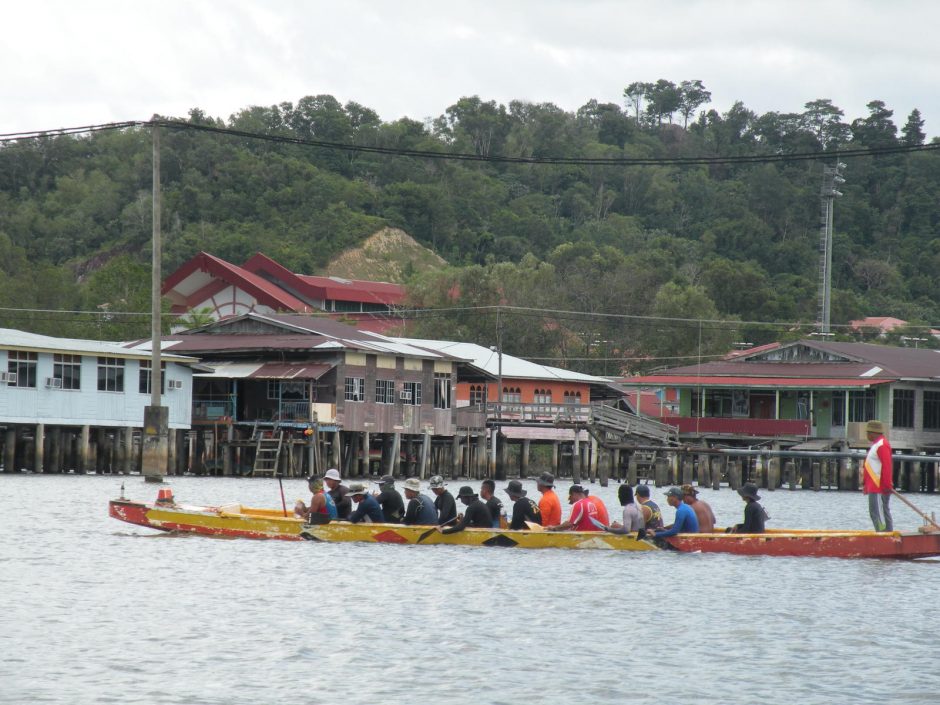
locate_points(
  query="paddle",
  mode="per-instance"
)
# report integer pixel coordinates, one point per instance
(430, 531)
(534, 527)
(598, 524)
(283, 502)
(911, 505)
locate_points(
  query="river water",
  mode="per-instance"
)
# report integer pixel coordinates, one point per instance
(96, 611)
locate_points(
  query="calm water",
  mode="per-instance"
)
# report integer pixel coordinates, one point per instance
(96, 611)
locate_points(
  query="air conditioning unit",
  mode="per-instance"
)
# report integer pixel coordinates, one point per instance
(8, 377)
(53, 383)
(174, 384)
(406, 396)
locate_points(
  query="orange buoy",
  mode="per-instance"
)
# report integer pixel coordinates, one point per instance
(165, 496)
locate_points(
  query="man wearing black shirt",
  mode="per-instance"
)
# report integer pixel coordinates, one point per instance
(393, 506)
(523, 508)
(488, 495)
(338, 491)
(444, 502)
(476, 514)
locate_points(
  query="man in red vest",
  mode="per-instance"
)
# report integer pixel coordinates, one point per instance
(878, 476)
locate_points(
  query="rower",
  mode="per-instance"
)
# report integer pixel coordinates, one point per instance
(584, 514)
(754, 514)
(368, 505)
(338, 491)
(444, 501)
(393, 507)
(488, 495)
(523, 509)
(420, 509)
(703, 512)
(549, 504)
(652, 514)
(322, 507)
(476, 515)
(685, 522)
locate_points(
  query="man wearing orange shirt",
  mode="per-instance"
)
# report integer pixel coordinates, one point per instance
(549, 504)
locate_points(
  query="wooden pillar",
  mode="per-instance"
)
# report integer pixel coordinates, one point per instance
(555, 454)
(101, 455)
(394, 456)
(502, 453)
(914, 484)
(576, 460)
(524, 459)
(603, 466)
(789, 469)
(632, 467)
(182, 457)
(661, 471)
(687, 468)
(425, 451)
(481, 455)
(53, 452)
(817, 477)
(364, 459)
(773, 473)
(718, 468)
(593, 459)
(226, 450)
(455, 457)
(39, 448)
(734, 474)
(615, 464)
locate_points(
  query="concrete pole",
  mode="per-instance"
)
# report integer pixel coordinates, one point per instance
(592, 449)
(789, 469)
(718, 467)
(817, 477)
(661, 471)
(425, 451)
(687, 470)
(481, 455)
(391, 467)
(616, 470)
(603, 467)
(734, 474)
(555, 449)
(39, 448)
(455, 457)
(524, 459)
(364, 460)
(503, 460)
(492, 457)
(576, 460)
(632, 468)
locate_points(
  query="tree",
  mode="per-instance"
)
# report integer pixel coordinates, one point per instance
(662, 100)
(823, 119)
(876, 130)
(692, 94)
(913, 131)
(634, 93)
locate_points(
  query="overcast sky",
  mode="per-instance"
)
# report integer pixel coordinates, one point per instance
(68, 63)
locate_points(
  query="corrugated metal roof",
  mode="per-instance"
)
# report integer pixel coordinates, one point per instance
(760, 382)
(18, 339)
(230, 370)
(274, 370)
(512, 367)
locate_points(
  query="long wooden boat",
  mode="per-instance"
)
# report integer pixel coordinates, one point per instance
(506, 538)
(230, 520)
(829, 544)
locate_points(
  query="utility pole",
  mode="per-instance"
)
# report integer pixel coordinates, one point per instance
(832, 178)
(155, 437)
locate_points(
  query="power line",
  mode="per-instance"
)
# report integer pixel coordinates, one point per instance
(463, 156)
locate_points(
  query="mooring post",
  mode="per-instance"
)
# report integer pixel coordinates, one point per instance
(817, 477)
(661, 471)
(789, 469)
(734, 474)
(576, 460)
(524, 459)
(687, 469)
(632, 469)
(718, 465)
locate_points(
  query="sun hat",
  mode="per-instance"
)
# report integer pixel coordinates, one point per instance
(546, 479)
(514, 488)
(385, 480)
(357, 488)
(436, 482)
(749, 490)
(332, 474)
(413, 484)
(874, 427)
(688, 489)
(466, 491)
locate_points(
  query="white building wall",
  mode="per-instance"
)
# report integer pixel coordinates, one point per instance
(88, 406)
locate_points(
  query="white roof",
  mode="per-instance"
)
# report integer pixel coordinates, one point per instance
(513, 367)
(18, 339)
(230, 370)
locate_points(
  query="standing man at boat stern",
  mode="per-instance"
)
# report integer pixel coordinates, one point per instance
(878, 476)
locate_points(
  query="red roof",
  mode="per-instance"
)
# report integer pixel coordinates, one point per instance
(264, 291)
(760, 382)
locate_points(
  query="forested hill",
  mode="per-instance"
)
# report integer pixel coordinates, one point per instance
(700, 241)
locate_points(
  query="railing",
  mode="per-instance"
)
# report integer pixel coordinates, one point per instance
(542, 413)
(631, 424)
(300, 411)
(213, 409)
(741, 426)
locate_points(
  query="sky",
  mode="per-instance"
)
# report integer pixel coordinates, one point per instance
(65, 64)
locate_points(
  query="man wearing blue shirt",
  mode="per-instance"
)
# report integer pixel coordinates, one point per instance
(368, 506)
(685, 523)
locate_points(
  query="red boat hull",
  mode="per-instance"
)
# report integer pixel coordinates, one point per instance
(831, 544)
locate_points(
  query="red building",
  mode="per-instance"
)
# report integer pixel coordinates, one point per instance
(221, 289)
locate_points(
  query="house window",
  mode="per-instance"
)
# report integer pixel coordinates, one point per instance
(355, 389)
(862, 405)
(441, 391)
(512, 395)
(144, 377)
(23, 365)
(384, 391)
(477, 394)
(719, 403)
(110, 374)
(543, 396)
(932, 411)
(903, 408)
(68, 370)
(411, 393)
(288, 390)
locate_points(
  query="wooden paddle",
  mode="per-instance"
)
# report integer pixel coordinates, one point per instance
(283, 502)
(911, 505)
(534, 527)
(430, 531)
